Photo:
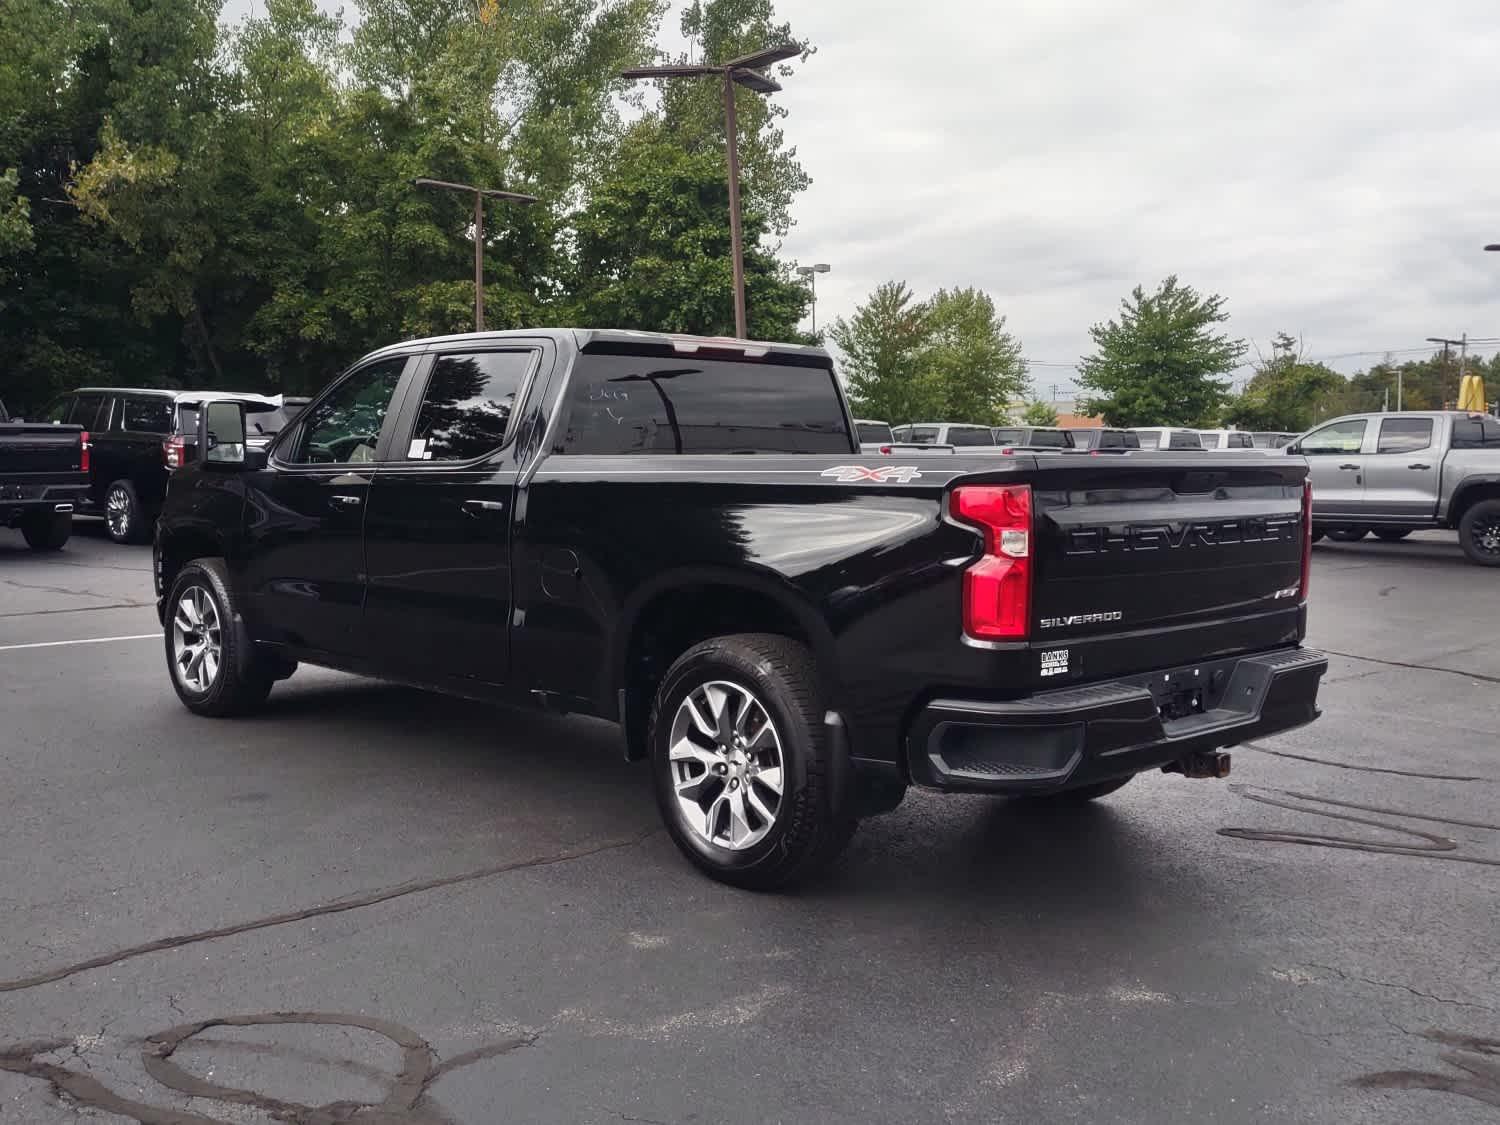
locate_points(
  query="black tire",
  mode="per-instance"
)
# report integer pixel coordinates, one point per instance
(1479, 533)
(809, 828)
(1347, 534)
(1082, 794)
(1392, 534)
(241, 681)
(47, 531)
(1317, 533)
(125, 520)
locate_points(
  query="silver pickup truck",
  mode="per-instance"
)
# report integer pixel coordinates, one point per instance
(1394, 473)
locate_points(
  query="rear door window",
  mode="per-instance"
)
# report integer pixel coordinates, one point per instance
(1404, 435)
(144, 414)
(89, 410)
(468, 405)
(628, 403)
(922, 435)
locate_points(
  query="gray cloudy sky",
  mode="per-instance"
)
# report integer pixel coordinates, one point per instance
(1331, 166)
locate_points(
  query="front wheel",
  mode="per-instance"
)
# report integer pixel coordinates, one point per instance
(47, 531)
(1347, 534)
(737, 721)
(1479, 533)
(211, 675)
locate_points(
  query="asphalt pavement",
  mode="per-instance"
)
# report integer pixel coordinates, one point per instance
(378, 905)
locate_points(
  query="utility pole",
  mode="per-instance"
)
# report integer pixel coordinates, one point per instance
(1463, 345)
(479, 197)
(743, 71)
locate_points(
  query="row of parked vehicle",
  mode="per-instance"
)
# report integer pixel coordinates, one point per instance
(967, 435)
(1383, 474)
(107, 452)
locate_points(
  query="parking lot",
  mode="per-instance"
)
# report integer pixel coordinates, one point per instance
(455, 913)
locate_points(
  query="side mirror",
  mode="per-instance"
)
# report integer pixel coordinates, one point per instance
(1294, 448)
(221, 434)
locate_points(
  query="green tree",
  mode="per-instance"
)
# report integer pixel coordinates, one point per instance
(1039, 413)
(883, 345)
(1161, 362)
(653, 248)
(973, 363)
(1286, 391)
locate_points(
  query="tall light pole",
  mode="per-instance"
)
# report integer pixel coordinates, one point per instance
(811, 274)
(480, 194)
(1463, 357)
(743, 71)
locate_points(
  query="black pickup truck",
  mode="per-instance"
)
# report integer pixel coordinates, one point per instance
(682, 535)
(44, 473)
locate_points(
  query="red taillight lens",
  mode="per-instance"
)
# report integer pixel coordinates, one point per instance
(997, 588)
(172, 451)
(1306, 539)
(84, 446)
(885, 449)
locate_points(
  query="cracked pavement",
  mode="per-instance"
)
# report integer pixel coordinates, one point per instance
(423, 910)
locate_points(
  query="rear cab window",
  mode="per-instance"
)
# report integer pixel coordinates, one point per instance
(970, 435)
(1476, 433)
(1182, 439)
(626, 403)
(921, 435)
(1009, 437)
(1051, 439)
(873, 433)
(1149, 439)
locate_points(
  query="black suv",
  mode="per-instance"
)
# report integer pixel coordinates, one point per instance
(140, 435)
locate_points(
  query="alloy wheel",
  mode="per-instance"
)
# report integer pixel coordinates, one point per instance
(197, 640)
(726, 761)
(1486, 536)
(117, 512)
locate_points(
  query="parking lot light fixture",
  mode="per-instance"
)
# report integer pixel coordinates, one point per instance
(480, 195)
(744, 71)
(810, 275)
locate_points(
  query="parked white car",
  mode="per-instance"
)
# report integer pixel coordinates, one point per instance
(1168, 437)
(944, 433)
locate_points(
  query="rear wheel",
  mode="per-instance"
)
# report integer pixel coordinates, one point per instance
(736, 722)
(124, 521)
(1347, 534)
(1479, 533)
(1392, 534)
(209, 672)
(47, 531)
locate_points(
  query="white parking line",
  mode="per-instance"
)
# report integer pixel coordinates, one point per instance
(83, 641)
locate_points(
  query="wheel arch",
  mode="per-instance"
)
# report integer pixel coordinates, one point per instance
(675, 611)
(178, 546)
(1472, 492)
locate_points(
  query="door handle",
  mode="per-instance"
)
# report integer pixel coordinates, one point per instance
(343, 501)
(1351, 468)
(479, 508)
(1419, 465)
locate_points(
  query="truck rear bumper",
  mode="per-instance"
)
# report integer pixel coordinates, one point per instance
(1075, 736)
(17, 501)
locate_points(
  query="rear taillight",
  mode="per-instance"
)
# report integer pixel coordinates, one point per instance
(885, 449)
(1306, 540)
(997, 588)
(173, 451)
(84, 446)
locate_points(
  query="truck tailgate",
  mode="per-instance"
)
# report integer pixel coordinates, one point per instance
(39, 448)
(1133, 550)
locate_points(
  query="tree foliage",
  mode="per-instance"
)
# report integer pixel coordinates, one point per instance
(198, 203)
(1039, 413)
(1285, 392)
(946, 359)
(1162, 361)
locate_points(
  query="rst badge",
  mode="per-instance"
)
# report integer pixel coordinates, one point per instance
(848, 474)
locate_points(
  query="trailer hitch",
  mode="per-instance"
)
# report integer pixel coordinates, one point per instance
(1205, 763)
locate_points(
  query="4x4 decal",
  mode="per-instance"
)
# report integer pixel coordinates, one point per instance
(848, 474)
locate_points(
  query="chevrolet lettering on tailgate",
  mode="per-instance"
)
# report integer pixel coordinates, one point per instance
(1175, 536)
